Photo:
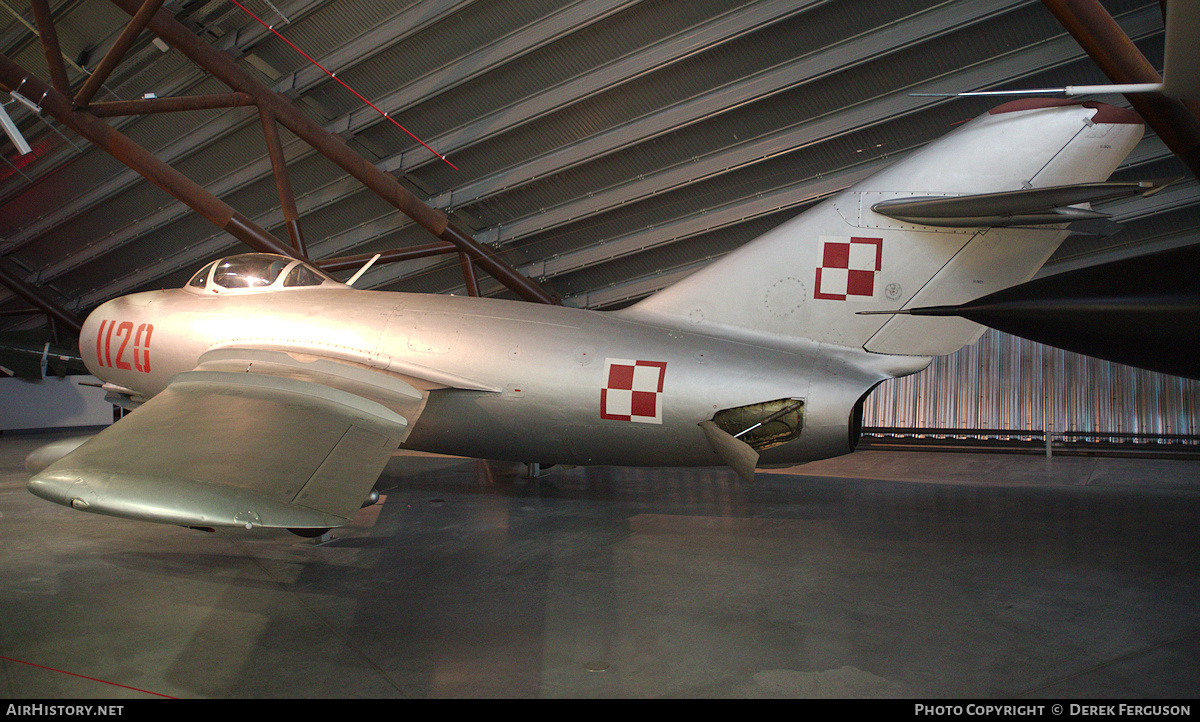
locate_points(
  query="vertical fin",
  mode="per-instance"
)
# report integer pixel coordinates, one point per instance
(809, 278)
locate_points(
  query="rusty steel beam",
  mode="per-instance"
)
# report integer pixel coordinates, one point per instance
(116, 53)
(334, 148)
(283, 186)
(146, 106)
(32, 295)
(345, 263)
(54, 61)
(21, 312)
(13, 76)
(1116, 55)
(468, 271)
(525, 287)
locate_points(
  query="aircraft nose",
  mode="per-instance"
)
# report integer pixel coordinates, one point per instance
(115, 339)
(89, 337)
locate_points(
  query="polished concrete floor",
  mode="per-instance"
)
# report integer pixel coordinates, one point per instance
(881, 574)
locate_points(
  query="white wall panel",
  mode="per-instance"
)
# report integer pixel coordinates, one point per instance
(52, 403)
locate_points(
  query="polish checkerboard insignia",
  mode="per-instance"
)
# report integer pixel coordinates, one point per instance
(849, 268)
(632, 390)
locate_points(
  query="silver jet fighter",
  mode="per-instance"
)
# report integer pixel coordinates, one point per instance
(269, 394)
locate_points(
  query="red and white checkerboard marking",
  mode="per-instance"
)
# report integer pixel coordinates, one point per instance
(849, 267)
(632, 390)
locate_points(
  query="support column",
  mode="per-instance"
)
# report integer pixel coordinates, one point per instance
(468, 274)
(283, 185)
(54, 61)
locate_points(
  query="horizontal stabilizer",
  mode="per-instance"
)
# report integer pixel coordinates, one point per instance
(1031, 206)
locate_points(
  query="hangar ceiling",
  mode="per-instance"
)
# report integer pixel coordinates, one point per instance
(604, 148)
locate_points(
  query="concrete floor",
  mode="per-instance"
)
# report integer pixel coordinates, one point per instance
(881, 574)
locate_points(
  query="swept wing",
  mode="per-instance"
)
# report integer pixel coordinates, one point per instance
(250, 438)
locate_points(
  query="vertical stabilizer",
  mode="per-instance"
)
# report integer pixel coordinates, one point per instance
(811, 276)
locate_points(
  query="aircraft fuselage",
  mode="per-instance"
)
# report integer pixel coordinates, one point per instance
(507, 380)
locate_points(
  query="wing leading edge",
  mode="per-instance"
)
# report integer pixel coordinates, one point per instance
(229, 448)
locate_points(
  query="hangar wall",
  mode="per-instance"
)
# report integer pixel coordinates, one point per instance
(53, 403)
(1006, 383)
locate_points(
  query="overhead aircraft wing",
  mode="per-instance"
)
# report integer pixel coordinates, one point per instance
(250, 438)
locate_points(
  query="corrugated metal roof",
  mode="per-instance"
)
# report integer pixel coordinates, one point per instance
(572, 124)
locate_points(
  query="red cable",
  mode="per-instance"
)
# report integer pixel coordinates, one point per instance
(347, 87)
(93, 679)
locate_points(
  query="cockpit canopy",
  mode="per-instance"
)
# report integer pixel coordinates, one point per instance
(251, 272)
